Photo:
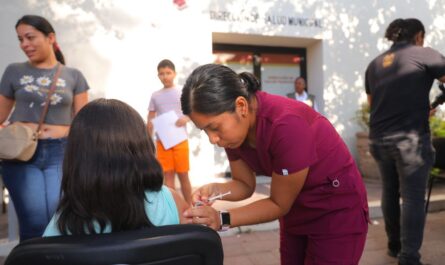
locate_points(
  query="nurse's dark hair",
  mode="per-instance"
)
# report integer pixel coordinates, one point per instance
(213, 89)
(404, 29)
(42, 24)
(108, 166)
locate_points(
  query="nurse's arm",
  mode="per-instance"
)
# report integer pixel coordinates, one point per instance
(284, 191)
(243, 182)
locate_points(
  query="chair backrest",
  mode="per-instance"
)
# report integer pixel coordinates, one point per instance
(164, 245)
(439, 145)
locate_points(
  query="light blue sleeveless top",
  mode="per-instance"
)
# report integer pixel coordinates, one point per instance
(160, 208)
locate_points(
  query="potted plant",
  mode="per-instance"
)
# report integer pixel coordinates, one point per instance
(437, 125)
(366, 163)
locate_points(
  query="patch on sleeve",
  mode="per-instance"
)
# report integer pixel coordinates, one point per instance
(388, 60)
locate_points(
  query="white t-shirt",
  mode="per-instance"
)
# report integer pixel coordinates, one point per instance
(165, 100)
(304, 97)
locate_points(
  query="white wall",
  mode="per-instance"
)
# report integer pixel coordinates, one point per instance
(315, 77)
(351, 36)
(117, 45)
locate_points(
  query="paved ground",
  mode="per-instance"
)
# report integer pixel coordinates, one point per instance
(261, 247)
(258, 245)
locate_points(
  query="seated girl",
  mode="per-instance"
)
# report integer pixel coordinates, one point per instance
(111, 179)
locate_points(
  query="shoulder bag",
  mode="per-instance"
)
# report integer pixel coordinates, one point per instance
(18, 141)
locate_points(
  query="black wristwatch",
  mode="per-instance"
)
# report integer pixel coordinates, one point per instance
(224, 217)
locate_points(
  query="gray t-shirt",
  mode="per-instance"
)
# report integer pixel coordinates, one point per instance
(165, 100)
(29, 86)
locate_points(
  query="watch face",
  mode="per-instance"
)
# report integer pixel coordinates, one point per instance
(225, 219)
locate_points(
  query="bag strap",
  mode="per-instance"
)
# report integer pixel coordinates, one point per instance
(48, 98)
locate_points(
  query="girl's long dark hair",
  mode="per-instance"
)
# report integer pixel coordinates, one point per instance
(109, 163)
(213, 89)
(404, 30)
(42, 25)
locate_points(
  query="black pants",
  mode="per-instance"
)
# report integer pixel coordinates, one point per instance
(405, 161)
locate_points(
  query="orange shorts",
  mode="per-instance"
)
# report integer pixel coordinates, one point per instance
(174, 159)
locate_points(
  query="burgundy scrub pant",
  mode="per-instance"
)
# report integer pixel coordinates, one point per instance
(321, 249)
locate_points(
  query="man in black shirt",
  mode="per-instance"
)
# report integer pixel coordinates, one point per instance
(398, 83)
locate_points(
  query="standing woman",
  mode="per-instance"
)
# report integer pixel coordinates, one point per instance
(398, 84)
(316, 190)
(34, 186)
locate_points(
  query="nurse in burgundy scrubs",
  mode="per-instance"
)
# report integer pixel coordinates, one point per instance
(316, 192)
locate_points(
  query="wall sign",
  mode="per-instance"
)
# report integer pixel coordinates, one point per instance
(270, 19)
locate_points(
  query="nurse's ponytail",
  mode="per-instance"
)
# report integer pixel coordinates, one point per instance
(250, 82)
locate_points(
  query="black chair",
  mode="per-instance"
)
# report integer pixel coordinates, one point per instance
(164, 245)
(438, 168)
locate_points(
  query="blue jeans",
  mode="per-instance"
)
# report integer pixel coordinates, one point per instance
(34, 186)
(405, 161)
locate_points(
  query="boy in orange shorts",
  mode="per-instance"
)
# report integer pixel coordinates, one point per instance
(175, 159)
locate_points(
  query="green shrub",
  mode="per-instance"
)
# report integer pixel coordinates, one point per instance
(362, 116)
(437, 126)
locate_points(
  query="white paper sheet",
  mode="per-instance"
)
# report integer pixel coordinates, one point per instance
(166, 130)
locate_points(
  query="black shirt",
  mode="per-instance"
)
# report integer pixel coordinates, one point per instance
(399, 82)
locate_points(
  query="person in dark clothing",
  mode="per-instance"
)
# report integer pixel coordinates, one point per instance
(301, 93)
(398, 83)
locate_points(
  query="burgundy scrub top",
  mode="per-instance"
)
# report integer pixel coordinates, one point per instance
(291, 136)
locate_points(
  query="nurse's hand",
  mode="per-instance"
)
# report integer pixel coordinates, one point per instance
(202, 194)
(204, 215)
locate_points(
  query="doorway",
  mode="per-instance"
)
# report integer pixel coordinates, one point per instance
(276, 67)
